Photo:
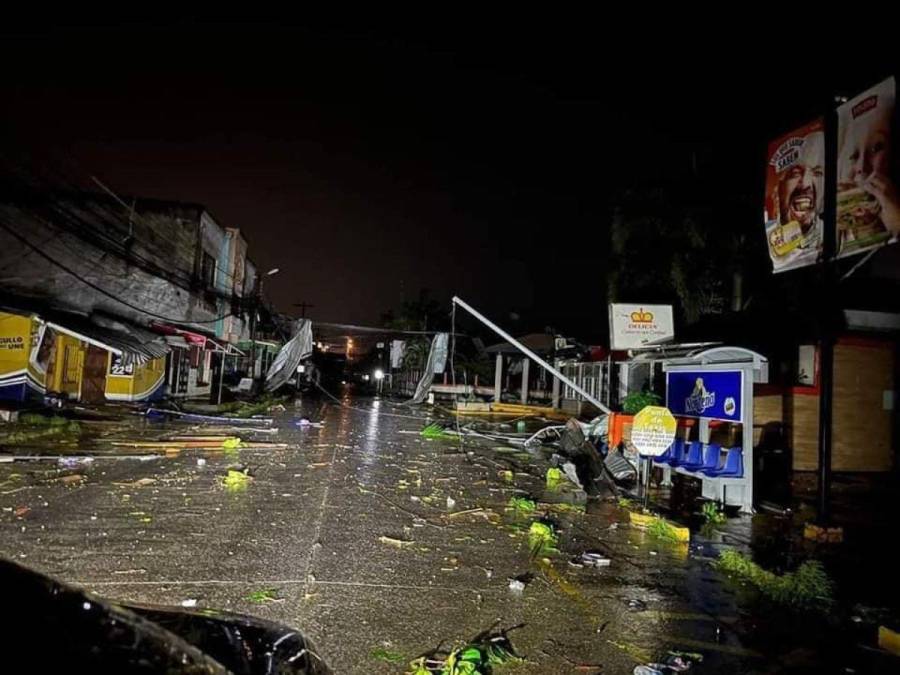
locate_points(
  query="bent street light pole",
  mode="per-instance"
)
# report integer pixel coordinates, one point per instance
(530, 354)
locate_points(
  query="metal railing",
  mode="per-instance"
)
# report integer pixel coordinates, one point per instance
(591, 376)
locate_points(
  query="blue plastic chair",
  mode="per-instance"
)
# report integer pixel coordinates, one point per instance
(733, 467)
(673, 455)
(694, 458)
(711, 454)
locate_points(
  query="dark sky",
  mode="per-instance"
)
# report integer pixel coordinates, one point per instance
(370, 163)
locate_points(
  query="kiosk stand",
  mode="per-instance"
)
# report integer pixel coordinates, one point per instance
(716, 384)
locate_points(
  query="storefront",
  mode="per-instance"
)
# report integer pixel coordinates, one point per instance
(73, 357)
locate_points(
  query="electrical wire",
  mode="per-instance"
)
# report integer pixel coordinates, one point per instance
(101, 290)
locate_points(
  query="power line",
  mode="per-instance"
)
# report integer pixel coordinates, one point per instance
(99, 289)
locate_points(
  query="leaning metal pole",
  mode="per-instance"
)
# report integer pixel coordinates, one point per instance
(530, 354)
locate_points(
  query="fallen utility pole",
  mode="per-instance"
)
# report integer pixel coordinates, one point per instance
(530, 354)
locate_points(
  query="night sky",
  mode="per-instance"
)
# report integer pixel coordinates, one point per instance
(368, 164)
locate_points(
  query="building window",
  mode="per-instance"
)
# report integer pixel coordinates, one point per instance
(806, 366)
(208, 270)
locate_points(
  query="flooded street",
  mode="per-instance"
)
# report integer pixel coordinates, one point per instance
(381, 546)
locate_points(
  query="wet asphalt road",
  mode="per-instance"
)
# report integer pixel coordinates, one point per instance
(350, 529)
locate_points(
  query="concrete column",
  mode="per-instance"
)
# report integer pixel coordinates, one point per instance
(498, 378)
(525, 366)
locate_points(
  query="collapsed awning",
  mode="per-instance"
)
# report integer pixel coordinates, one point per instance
(135, 346)
(193, 339)
(223, 348)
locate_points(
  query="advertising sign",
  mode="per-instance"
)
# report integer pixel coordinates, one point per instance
(702, 393)
(795, 197)
(653, 430)
(868, 200)
(632, 326)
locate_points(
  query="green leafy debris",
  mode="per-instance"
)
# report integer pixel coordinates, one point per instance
(554, 477)
(263, 595)
(712, 514)
(542, 539)
(476, 658)
(661, 529)
(434, 430)
(236, 481)
(807, 587)
(522, 504)
(387, 656)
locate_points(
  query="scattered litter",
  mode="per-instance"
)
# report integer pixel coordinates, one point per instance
(675, 662)
(73, 462)
(191, 417)
(464, 513)
(516, 585)
(594, 559)
(451, 503)
(201, 461)
(74, 479)
(306, 424)
(571, 474)
(21, 511)
(636, 605)
(398, 543)
(190, 602)
(649, 669)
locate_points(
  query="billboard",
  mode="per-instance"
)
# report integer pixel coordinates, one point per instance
(868, 201)
(795, 197)
(715, 394)
(632, 326)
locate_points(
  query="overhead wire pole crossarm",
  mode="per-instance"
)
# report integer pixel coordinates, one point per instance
(530, 354)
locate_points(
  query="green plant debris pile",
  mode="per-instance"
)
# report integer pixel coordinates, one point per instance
(542, 539)
(661, 529)
(477, 658)
(554, 477)
(712, 514)
(263, 595)
(235, 480)
(387, 656)
(522, 504)
(32, 427)
(807, 587)
(434, 431)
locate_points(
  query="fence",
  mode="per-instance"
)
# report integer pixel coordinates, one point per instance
(594, 378)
